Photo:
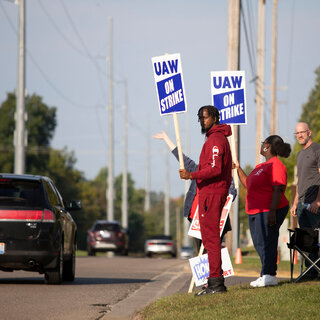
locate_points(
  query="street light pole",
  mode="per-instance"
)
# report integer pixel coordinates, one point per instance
(110, 191)
(20, 115)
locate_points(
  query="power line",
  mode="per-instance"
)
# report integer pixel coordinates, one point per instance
(291, 44)
(84, 46)
(248, 43)
(58, 30)
(43, 74)
(253, 35)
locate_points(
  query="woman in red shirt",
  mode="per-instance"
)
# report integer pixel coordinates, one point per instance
(266, 205)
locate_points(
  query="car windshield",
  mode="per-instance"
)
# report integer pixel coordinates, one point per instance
(21, 193)
(106, 227)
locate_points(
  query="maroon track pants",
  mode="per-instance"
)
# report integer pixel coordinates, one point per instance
(210, 207)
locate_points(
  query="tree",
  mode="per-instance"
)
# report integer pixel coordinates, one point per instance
(311, 109)
(59, 165)
(40, 126)
(311, 115)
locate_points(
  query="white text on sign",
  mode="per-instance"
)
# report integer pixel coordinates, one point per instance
(231, 110)
(173, 98)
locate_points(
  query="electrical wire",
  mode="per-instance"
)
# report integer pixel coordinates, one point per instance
(84, 46)
(58, 30)
(291, 45)
(43, 74)
(251, 61)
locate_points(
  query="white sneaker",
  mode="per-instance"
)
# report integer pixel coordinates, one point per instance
(257, 282)
(264, 281)
(270, 280)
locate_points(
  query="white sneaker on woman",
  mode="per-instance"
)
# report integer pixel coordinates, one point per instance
(264, 281)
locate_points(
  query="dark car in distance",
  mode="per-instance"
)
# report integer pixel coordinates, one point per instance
(107, 236)
(37, 232)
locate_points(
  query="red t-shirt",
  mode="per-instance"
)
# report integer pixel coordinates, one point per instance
(259, 185)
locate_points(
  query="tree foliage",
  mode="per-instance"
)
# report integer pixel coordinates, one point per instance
(60, 166)
(311, 115)
(311, 109)
(40, 127)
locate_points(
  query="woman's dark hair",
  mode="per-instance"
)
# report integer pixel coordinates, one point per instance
(212, 111)
(278, 146)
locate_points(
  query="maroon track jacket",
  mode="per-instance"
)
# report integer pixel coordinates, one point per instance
(215, 165)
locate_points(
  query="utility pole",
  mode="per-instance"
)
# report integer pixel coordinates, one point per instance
(260, 78)
(125, 158)
(233, 64)
(166, 195)
(147, 195)
(274, 111)
(110, 192)
(20, 136)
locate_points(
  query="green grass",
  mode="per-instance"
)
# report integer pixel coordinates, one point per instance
(285, 301)
(81, 253)
(253, 263)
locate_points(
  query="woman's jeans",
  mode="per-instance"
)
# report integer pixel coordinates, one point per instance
(265, 238)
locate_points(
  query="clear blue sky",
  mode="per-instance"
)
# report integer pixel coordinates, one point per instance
(68, 42)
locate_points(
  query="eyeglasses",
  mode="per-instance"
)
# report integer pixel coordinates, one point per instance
(300, 132)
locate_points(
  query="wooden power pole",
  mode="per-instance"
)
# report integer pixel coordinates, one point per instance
(274, 111)
(260, 77)
(233, 64)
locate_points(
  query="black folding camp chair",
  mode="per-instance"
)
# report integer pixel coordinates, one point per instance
(304, 241)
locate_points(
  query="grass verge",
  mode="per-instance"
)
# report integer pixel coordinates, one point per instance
(285, 301)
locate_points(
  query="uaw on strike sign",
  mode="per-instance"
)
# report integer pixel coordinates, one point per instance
(169, 84)
(228, 93)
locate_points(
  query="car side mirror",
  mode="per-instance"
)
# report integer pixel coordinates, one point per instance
(75, 205)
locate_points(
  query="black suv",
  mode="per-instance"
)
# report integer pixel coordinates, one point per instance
(107, 236)
(37, 233)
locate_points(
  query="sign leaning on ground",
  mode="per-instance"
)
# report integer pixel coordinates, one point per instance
(200, 267)
(169, 84)
(228, 94)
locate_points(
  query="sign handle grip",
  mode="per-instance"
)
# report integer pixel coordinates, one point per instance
(176, 128)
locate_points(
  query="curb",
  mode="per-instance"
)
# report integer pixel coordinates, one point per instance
(165, 284)
(169, 282)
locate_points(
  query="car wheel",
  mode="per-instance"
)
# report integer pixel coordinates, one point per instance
(54, 276)
(69, 266)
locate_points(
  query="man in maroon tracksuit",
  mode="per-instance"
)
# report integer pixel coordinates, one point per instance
(213, 178)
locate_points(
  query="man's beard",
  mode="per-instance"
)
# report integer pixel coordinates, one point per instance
(304, 141)
(205, 130)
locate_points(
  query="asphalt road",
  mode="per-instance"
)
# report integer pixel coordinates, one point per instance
(100, 284)
(105, 288)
